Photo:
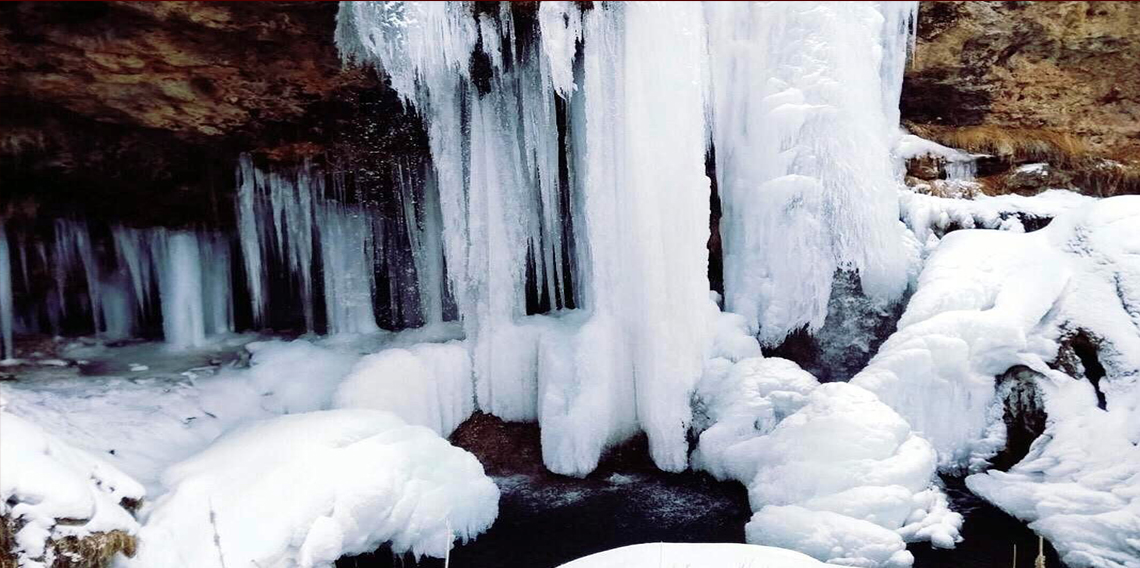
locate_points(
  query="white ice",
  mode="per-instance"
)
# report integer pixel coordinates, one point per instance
(805, 114)
(831, 471)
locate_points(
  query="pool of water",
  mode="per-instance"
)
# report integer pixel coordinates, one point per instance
(546, 520)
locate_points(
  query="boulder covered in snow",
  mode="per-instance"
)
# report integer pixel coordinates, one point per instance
(831, 471)
(989, 302)
(305, 489)
(56, 499)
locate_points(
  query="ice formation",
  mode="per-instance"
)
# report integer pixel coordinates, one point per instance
(52, 490)
(989, 300)
(355, 479)
(563, 220)
(130, 282)
(692, 555)
(831, 471)
(295, 218)
(636, 247)
(805, 114)
(930, 217)
(7, 315)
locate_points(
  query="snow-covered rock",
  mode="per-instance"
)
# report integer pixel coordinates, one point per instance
(305, 489)
(52, 490)
(830, 470)
(991, 300)
(693, 555)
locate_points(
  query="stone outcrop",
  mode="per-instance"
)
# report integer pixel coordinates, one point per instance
(1055, 82)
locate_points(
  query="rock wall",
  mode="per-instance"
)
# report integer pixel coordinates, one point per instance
(113, 104)
(1032, 81)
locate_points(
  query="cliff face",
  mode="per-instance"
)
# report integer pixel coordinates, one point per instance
(110, 104)
(151, 100)
(1034, 81)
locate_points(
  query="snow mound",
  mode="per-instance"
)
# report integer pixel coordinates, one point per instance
(830, 470)
(990, 300)
(693, 555)
(427, 384)
(44, 480)
(355, 480)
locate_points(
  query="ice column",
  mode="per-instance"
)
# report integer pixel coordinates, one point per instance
(7, 351)
(805, 100)
(636, 148)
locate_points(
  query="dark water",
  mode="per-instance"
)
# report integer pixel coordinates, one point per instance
(545, 521)
(989, 536)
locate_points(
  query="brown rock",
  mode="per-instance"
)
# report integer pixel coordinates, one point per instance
(1060, 78)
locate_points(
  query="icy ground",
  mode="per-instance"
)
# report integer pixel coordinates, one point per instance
(217, 448)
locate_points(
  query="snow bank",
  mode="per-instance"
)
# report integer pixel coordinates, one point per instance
(989, 300)
(354, 480)
(427, 384)
(831, 471)
(44, 480)
(688, 555)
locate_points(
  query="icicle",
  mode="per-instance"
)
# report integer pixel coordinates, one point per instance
(349, 278)
(250, 236)
(217, 285)
(7, 307)
(179, 263)
(73, 250)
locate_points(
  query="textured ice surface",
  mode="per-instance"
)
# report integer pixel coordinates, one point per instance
(805, 113)
(831, 471)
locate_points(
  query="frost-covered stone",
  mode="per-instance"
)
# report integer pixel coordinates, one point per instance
(50, 491)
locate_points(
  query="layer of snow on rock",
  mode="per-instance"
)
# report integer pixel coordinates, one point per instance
(44, 480)
(306, 489)
(989, 300)
(691, 555)
(831, 471)
(929, 216)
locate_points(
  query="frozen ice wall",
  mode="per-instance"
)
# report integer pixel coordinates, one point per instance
(122, 282)
(635, 187)
(805, 113)
(326, 238)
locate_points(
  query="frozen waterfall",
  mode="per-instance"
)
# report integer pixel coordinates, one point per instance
(800, 102)
(805, 106)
